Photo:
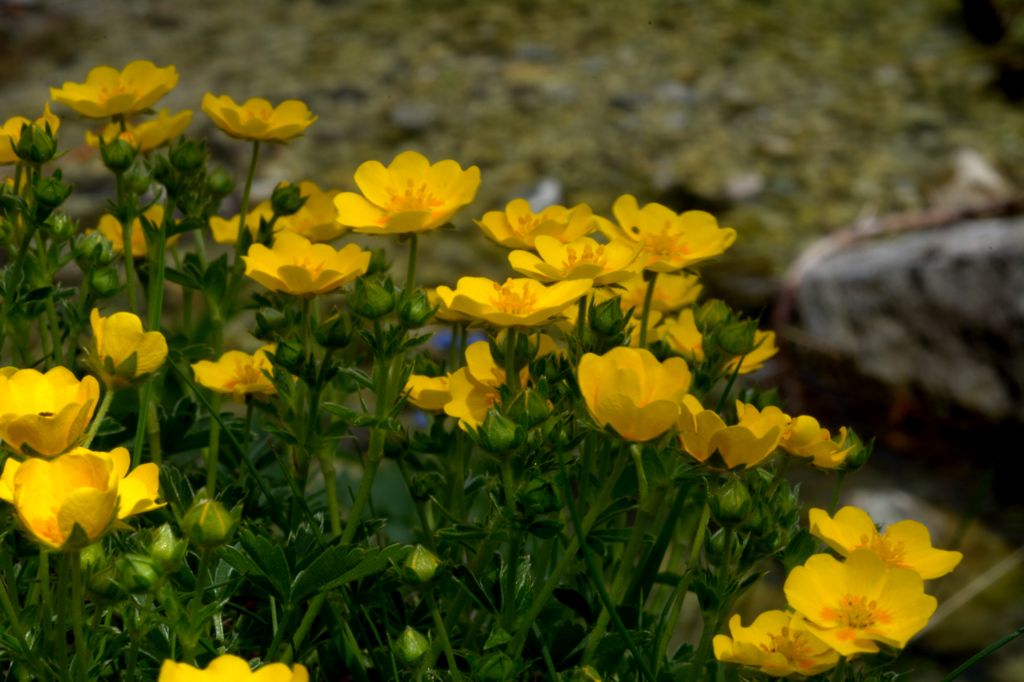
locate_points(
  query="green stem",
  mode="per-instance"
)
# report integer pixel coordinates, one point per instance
(511, 375)
(645, 312)
(442, 634)
(97, 419)
(82, 662)
(835, 493)
(11, 611)
(410, 271)
(331, 488)
(145, 396)
(683, 586)
(127, 225)
(984, 653)
(245, 198)
(728, 386)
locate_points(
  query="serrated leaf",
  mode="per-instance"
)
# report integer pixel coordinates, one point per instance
(271, 560)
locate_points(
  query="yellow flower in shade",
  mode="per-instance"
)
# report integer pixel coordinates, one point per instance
(428, 393)
(238, 373)
(258, 119)
(298, 267)
(518, 226)
(764, 349)
(806, 438)
(110, 227)
(80, 488)
(444, 313)
(671, 292)
(109, 92)
(905, 544)
(778, 643)
(225, 230)
(582, 258)
(146, 135)
(10, 132)
(228, 668)
(519, 302)
(45, 414)
(408, 195)
(669, 241)
(854, 604)
(683, 336)
(317, 220)
(630, 390)
(474, 388)
(122, 350)
(747, 443)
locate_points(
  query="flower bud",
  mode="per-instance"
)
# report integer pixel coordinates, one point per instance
(499, 433)
(495, 668)
(37, 144)
(167, 550)
(606, 318)
(291, 356)
(737, 338)
(529, 408)
(424, 484)
(104, 281)
(49, 193)
(220, 183)
(209, 524)
(378, 262)
(136, 180)
(730, 503)
(714, 547)
(117, 154)
(136, 573)
(421, 565)
(371, 299)
(188, 155)
(410, 647)
(415, 310)
(60, 227)
(101, 580)
(860, 453)
(268, 321)
(286, 200)
(538, 496)
(334, 332)
(712, 314)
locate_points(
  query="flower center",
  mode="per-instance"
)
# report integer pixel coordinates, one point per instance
(888, 551)
(507, 300)
(856, 612)
(588, 256)
(795, 646)
(667, 243)
(412, 197)
(108, 93)
(256, 113)
(245, 375)
(314, 268)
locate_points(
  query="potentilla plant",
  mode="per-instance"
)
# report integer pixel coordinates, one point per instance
(487, 480)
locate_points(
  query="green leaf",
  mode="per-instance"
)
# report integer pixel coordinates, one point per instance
(272, 562)
(340, 565)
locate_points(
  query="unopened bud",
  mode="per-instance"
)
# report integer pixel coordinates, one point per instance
(538, 496)
(334, 332)
(378, 262)
(529, 408)
(415, 310)
(60, 227)
(421, 565)
(499, 433)
(737, 338)
(730, 503)
(117, 154)
(220, 182)
(291, 356)
(268, 321)
(136, 573)
(188, 155)
(104, 282)
(410, 647)
(167, 550)
(49, 193)
(209, 524)
(37, 144)
(286, 200)
(860, 453)
(712, 314)
(136, 180)
(371, 299)
(607, 318)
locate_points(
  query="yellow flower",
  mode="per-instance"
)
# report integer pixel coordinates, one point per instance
(519, 302)
(428, 393)
(10, 132)
(146, 135)
(669, 241)
(110, 227)
(806, 438)
(683, 336)
(671, 292)
(45, 414)
(747, 443)
(856, 603)
(228, 668)
(518, 227)
(408, 195)
(582, 258)
(225, 230)
(317, 220)
(297, 267)
(444, 313)
(905, 544)
(109, 92)
(122, 350)
(80, 488)
(764, 348)
(777, 642)
(630, 390)
(238, 373)
(474, 388)
(258, 119)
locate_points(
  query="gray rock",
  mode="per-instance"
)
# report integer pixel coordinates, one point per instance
(941, 310)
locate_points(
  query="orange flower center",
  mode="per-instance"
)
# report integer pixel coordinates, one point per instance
(107, 93)
(413, 197)
(888, 551)
(668, 243)
(245, 375)
(507, 300)
(524, 225)
(263, 114)
(856, 612)
(314, 268)
(795, 646)
(588, 256)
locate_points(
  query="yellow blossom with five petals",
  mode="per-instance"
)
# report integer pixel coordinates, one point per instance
(518, 302)
(408, 195)
(428, 393)
(581, 258)
(109, 92)
(672, 291)
(298, 267)
(10, 132)
(225, 230)
(747, 443)
(257, 119)
(146, 135)
(684, 337)
(45, 414)
(110, 227)
(905, 544)
(317, 220)
(778, 643)
(228, 668)
(238, 373)
(122, 351)
(806, 438)
(518, 226)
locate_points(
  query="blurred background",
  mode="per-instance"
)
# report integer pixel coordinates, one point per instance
(868, 152)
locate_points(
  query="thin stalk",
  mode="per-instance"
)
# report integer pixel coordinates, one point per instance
(127, 225)
(145, 396)
(511, 375)
(728, 386)
(410, 269)
(331, 488)
(82, 663)
(245, 198)
(645, 312)
(836, 492)
(11, 611)
(97, 419)
(442, 634)
(683, 586)
(984, 653)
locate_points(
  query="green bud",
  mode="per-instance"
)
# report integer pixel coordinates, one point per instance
(415, 310)
(220, 183)
(136, 573)
(163, 171)
(371, 299)
(421, 565)
(529, 408)
(606, 318)
(334, 332)
(167, 550)
(737, 338)
(286, 200)
(378, 262)
(730, 503)
(538, 496)
(209, 524)
(117, 154)
(102, 582)
(424, 484)
(60, 227)
(712, 314)
(291, 356)
(410, 647)
(499, 433)
(860, 454)
(714, 547)
(136, 180)
(104, 281)
(37, 144)
(49, 193)
(268, 321)
(93, 556)
(495, 668)
(188, 155)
